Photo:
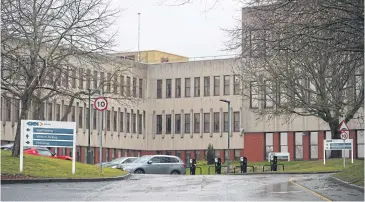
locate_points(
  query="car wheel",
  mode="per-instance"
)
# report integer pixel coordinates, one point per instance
(175, 172)
(139, 171)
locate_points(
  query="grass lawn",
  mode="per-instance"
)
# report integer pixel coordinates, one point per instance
(289, 166)
(352, 174)
(45, 167)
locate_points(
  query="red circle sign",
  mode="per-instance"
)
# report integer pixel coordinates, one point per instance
(344, 135)
(101, 104)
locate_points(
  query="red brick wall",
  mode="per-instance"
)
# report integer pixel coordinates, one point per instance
(96, 152)
(223, 157)
(254, 147)
(183, 156)
(192, 154)
(104, 152)
(353, 136)
(202, 154)
(321, 137)
(82, 154)
(306, 146)
(231, 155)
(276, 142)
(291, 145)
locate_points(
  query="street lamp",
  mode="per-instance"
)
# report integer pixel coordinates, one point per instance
(229, 131)
(89, 122)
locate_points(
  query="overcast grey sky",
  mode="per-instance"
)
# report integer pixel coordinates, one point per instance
(185, 30)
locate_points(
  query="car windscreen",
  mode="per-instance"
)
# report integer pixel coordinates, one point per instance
(118, 160)
(142, 159)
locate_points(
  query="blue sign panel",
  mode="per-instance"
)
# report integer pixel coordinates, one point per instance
(52, 137)
(52, 143)
(53, 130)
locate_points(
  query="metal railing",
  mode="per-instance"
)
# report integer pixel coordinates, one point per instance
(263, 167)
(234, 169)
(200, 169)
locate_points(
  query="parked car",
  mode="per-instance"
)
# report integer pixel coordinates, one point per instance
(157, 164)
(119, 162)
(37, 151)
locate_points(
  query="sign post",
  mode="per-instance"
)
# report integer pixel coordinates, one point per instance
(345, 133)
(338, 144)
(35, 133)
(101, 104)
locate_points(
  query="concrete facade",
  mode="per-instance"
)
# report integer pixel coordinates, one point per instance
(303, 137)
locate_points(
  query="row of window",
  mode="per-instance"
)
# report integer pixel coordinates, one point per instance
(197, 88)
(113, 119)
(271, 93)
(196, 122)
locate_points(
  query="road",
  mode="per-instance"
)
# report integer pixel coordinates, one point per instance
(182, 188)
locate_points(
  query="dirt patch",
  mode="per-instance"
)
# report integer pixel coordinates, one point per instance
(5, 176)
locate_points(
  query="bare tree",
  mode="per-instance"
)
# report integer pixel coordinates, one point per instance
(303, 58)
(43, 45)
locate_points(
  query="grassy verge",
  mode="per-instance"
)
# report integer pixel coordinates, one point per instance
(352, 174)
(45, 167)
(289, 166)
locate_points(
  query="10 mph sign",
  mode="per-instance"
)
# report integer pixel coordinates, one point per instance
(101, 104)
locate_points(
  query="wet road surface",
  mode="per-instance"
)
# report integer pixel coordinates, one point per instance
(173, 188)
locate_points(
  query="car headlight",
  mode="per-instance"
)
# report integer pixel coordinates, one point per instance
(114, 166)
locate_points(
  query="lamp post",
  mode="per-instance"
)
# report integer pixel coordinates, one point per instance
(89, 120)
(229, 131)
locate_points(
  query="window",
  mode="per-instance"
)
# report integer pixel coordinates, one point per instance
(187, 87)
(108, 85)
(88, 78)
(81, 78)
(283, 142)
(225, 126)
(177, 88)
(298, 145)
(226, 85)
(115, 85)
(187, 123)
(58, 112)
(108, 120)
(168, 124)
(177, 123)
(206, 122)
(73, 80)
(168, 88)
(66, 77)
(107, 154)
(134, 87)
(80, 117)
(139, 123)
(236, 85)
(94, 119)
(206, 86)
(314, 145)
(50, 114)
(128, 86)
(102, 80)
(73, 114)
(87, 118)
(115, 114)
(8, 108)
(216, 86)
(64, 111)
(359, 82)
(196, 122)
(269, 102)
(216, 122)
(128, 122)
(121, 85)
(254, 94)
(236, 121)
(134, 116)
(140, 86)
(197, 86)
(43, 152)
(121, 121)
(197, 155)
(95, 79)
(159, 88)
(237, 154)
(269, 144)
(283, 95)
(158, 124)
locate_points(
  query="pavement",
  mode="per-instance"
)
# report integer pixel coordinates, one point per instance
(278, 187)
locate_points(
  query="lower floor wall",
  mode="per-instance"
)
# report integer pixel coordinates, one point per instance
(301, 145)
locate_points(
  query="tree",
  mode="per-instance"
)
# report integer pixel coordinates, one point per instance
(210, 154)
(43, 45)
(303, 58)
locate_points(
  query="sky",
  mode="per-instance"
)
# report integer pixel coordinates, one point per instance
(191, 30)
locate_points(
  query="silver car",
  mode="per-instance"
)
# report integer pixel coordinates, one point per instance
(157, 164)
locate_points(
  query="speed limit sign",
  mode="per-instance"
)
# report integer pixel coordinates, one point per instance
(101, 104)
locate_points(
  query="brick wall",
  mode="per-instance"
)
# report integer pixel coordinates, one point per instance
(254, 147)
